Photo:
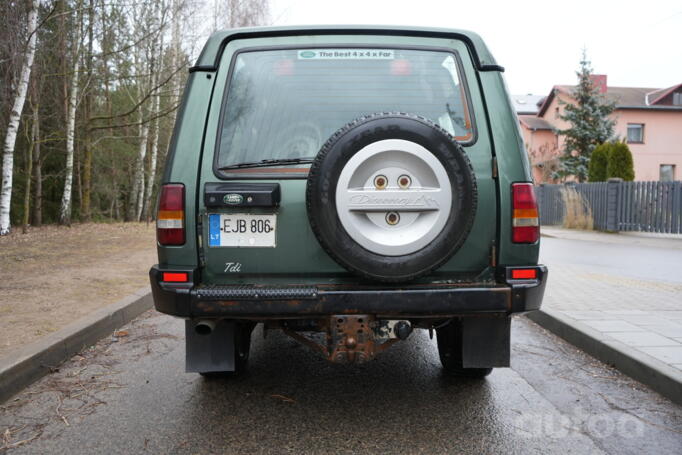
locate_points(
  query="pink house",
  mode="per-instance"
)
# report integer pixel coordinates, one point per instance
(649, 119)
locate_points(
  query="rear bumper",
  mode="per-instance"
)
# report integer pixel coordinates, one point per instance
(264, 302)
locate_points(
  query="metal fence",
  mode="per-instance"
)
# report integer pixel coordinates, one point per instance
(618, 205)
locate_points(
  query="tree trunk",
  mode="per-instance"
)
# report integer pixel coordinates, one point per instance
(156, 104)
(14, 118)
(65, 208)
(35, 137)
(38, 178)
(152, 167)
(137, 193)
(87, 148)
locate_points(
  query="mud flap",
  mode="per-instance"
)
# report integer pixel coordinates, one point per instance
(486, 342)
(210, 353)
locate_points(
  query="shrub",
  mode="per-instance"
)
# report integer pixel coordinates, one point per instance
(599, 162)
(620, 162)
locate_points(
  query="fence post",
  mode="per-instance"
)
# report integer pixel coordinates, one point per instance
(613, 186)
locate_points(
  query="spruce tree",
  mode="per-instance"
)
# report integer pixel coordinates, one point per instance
(590, 125)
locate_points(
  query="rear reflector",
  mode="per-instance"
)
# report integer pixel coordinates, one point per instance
(174, 277)
(170, 220)
(525, 222)
(524, 274)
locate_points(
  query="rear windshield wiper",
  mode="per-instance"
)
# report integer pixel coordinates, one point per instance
(268, 163)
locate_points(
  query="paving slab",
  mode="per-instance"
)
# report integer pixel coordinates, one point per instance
(668, 354)
(607, 326)
(619, 298)
(639, 339)
(669, 329)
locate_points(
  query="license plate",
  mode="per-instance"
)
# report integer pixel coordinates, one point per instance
(241, 230)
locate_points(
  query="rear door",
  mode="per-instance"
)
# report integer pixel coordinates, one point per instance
(281, 99)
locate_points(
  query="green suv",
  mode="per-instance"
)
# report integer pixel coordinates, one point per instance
(357, 182)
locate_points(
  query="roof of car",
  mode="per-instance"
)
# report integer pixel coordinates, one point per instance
(213, 49)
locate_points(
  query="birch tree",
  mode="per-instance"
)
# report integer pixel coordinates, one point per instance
(105, 77)
(65, 207)
(142, 67)
(15, 117)
(157, 52)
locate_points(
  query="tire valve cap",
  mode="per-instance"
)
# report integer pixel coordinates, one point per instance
(392, 218)
(402, 329)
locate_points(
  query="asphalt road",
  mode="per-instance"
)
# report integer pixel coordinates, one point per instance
(657, 260)
(129, 394)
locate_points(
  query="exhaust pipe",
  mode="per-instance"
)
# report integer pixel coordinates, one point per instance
(204, 327)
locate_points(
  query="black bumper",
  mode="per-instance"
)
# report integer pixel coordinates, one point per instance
(263, 302)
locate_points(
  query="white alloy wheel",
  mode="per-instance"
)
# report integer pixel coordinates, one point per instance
(393, 197)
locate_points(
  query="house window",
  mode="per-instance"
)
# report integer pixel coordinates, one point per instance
(667, 173)
(677, 99)
(635, 133)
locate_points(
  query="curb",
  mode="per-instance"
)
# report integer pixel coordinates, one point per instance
(657, 375)
(33, 361)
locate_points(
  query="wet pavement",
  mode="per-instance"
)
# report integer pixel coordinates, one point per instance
(626, 289)
(129, 394)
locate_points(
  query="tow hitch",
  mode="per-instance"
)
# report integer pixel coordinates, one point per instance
(355, 338)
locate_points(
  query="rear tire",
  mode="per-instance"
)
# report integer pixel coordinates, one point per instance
(450, 351)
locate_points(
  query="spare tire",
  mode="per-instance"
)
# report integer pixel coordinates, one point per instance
(391, 197)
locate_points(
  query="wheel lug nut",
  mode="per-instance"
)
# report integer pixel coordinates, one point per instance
(380, 182)
(404, 181)
(392, 218)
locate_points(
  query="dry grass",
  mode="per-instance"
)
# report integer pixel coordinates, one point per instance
(578, 214)
(53, 275)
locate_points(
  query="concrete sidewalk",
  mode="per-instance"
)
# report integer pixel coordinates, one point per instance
(641, 318)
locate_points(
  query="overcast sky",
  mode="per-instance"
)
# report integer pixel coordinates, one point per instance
(636, 43)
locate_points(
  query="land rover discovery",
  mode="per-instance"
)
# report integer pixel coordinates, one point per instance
(358, 182)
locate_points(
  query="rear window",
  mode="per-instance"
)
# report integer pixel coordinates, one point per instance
(286, 103)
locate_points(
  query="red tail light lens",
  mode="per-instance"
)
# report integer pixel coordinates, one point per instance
(525, 221)
(524, 274)
(175, 277)
(170, 220)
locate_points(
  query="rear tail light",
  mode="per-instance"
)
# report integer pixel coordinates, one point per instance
(525, 222)
(170, 221)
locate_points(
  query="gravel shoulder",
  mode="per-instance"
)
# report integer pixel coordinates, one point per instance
(54, 275)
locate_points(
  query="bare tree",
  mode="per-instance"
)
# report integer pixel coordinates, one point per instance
(239, 13)
(104, 78)
(65, 208)
(15, 116)
(157, 51)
